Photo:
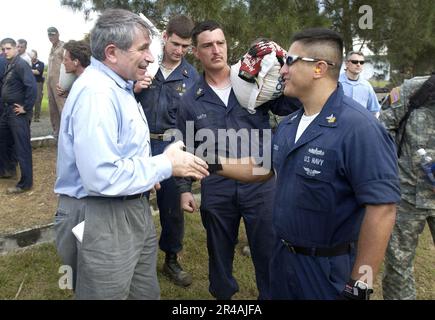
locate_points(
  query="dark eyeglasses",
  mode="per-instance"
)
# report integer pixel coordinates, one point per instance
(361, 62)
(292, 59)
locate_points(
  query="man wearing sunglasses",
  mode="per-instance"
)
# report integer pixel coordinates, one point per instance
(333, 213)
(355, 86)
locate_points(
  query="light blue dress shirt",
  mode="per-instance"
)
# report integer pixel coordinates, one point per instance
(103, 147)
(361, 91)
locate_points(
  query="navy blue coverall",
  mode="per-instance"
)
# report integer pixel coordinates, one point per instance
(19, 86)
(225, 201)
(3, 63)
(343, 161)
(160, 103)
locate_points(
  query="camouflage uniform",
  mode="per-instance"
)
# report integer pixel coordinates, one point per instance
(55, 102)
(418, 198)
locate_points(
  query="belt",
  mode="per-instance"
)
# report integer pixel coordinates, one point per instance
(131, 197)
(157, 136)
(321, 252)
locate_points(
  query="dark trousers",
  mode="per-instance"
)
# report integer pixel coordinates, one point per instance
(224, 203)
(39, 96)
(15, 145)
(171, 214)
(301, 277)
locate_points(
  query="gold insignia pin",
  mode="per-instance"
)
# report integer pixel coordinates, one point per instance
(331, 119)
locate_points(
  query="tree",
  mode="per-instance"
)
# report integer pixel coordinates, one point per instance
(403, 29)
(243, 20)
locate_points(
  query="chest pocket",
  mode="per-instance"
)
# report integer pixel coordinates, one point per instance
(278, 153)
(315, 172)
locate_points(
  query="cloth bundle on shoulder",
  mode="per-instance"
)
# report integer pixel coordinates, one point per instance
(66, 80)
(255, 78)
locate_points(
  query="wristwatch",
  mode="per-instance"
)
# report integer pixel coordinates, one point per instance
(357, 290)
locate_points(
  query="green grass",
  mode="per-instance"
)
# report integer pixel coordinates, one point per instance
(379, 83)
(39, 266)
(37, 270)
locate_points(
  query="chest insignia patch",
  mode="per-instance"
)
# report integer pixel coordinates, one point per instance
(311, 172)
(316, 151)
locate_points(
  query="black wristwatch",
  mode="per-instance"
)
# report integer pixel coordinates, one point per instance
(357, 290)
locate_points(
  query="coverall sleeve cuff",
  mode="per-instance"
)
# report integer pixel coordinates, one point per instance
(378, 192)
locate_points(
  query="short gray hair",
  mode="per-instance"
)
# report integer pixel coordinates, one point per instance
(350, 53)
(117, 27)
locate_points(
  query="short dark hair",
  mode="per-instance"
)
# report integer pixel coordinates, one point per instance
(79, 50)
(200, 27)
(23, 42)
(180, 25)
(11, 41)
(325, 44)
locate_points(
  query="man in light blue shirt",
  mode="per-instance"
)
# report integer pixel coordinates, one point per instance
(105, 168)
(355, 86)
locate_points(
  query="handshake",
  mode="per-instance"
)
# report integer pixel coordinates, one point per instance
(251, 61)
(185, 164)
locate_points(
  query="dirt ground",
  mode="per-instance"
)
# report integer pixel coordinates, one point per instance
(35, 207)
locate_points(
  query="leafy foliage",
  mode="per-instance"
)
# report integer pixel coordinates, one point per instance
(403, 29)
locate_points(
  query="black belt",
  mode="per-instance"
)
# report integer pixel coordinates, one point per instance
(157, 136)
(321, 252)
(131, 197)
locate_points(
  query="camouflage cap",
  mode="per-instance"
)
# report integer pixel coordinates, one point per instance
(52, 30)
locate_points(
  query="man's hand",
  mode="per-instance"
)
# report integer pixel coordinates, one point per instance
(185, 164)
(156, 188)
(143, 83)
(60, 92)
(19, 109)
(187, 202)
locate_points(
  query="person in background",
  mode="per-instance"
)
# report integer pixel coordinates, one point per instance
(77, 57)
(55, 102)
(418, 195)
(355, 86)
(38, 71)
(18, 95)
(160, 103)
(22, 47)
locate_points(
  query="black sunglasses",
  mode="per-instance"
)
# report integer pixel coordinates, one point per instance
(292, 59)
(361, 62)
